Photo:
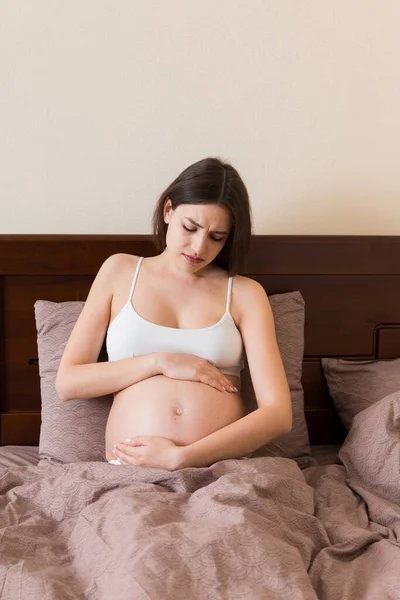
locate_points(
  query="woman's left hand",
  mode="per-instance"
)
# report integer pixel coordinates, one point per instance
(150, 451)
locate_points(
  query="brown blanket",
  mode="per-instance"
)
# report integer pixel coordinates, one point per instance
(252, 529)
(358, 501)
(239, 529)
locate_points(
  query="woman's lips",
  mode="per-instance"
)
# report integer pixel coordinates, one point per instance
(193, 260)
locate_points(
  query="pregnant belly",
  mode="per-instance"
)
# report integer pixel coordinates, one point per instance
(183, 411)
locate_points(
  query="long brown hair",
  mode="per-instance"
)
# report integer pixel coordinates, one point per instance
(211, 181)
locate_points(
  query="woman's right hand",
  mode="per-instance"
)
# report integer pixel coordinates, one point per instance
(192, 368)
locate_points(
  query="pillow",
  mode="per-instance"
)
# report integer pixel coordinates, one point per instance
(74, 431)
(289, 315)
(356, 385)
(371, 453)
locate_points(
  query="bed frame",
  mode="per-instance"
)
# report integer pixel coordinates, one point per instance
(351, 286)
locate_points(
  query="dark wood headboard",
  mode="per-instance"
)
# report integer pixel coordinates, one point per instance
(351, 286)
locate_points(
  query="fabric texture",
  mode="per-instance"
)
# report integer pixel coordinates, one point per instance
(18, 456)
(257, 529)
(358, 502)
(371, 452)
(74, 431)
(356, 385)
(240, 529)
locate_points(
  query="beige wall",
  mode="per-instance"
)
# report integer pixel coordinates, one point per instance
(102, 103)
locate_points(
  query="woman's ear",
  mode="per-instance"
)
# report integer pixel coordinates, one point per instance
(167, 210)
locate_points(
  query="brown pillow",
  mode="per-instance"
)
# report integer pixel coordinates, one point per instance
(289, 315)
(370, 454)
(356, 385)
(74, 431)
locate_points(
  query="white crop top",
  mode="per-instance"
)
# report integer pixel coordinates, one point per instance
(129, 335)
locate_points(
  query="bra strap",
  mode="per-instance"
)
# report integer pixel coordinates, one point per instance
(135, 278)
(228, 298)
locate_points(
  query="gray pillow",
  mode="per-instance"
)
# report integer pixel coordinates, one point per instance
(289, 316)
(74, 431)
(356, 385)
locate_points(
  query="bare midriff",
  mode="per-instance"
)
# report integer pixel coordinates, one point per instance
(182, 411)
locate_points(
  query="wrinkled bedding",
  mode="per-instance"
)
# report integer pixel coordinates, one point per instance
(256, 528)
(15, 456)
(18, 456)
(358, 502)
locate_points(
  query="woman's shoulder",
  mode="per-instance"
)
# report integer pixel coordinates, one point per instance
(247, 296)
(120, 261)
(248, 291)
(242, 286)
(116, 268)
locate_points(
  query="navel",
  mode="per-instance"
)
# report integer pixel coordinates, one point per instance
(178, 411)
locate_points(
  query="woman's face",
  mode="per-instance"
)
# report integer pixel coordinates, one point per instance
(196, 233)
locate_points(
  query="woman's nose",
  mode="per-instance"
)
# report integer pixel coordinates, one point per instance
(198, 245)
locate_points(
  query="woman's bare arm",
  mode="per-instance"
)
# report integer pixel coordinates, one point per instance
(98, 379)
(79, 374)
(273, 416)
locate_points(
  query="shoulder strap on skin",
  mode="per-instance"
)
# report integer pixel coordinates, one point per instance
(228, 298)
(135, 278)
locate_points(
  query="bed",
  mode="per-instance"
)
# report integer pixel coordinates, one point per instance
(325, 524)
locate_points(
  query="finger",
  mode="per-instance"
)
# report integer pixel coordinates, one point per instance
(217, 385)
(207, 380)
(226, 384)
(140, 440)
(125, 457)
(134, 457)
(122, 458)
(229, 386)
(214, 383)
(222, 385)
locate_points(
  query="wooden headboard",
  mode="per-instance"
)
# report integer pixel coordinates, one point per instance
(351, 286)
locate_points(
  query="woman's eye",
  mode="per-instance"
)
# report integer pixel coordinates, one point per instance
(211, 237)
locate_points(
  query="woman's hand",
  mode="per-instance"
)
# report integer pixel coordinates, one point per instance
(150, 451)
(192, 368)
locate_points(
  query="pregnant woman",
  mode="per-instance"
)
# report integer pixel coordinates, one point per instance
(176, 326)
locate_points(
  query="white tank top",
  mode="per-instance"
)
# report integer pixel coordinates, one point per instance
(130, 335)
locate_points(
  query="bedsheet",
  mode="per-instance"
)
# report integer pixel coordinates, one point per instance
(258, 528)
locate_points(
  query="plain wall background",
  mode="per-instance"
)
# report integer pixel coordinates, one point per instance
(103, 103)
